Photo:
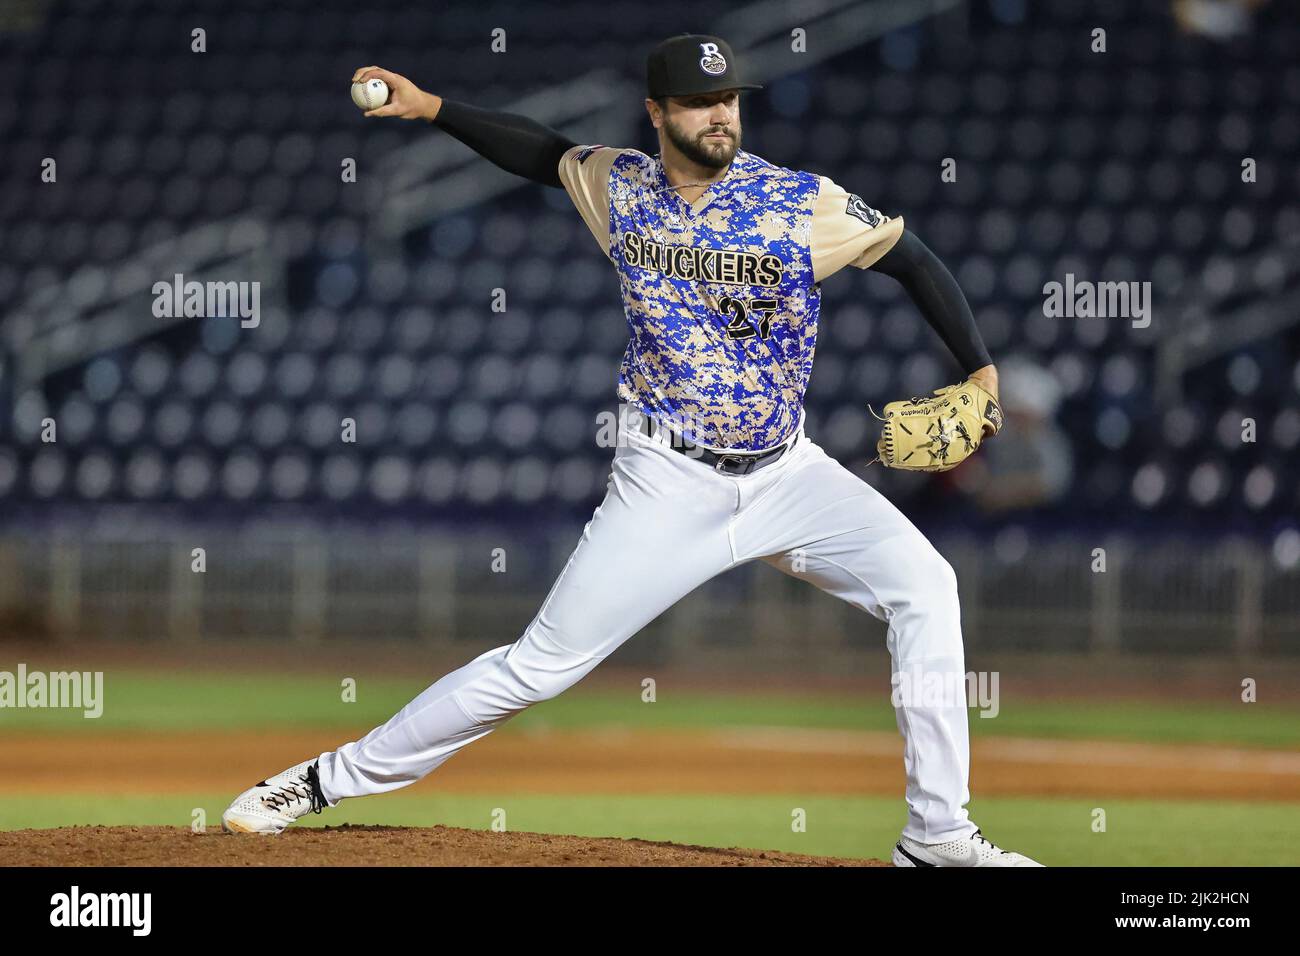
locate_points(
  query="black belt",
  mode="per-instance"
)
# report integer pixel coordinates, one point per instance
(727, 464)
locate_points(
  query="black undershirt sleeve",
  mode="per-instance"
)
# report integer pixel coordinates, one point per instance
(516, 143)
(938, 298)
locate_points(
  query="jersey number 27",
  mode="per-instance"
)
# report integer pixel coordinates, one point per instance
(740, 327)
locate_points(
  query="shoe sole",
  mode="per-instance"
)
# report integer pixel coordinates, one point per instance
(233, 826)
(902, 858)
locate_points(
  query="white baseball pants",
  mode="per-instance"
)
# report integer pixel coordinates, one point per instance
(669, 523)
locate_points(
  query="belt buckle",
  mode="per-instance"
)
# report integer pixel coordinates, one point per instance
(723, 460)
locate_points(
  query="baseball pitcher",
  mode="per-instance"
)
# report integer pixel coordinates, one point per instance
(720, 256)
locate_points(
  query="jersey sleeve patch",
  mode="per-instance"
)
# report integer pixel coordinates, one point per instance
(860, 210)
(847, 231)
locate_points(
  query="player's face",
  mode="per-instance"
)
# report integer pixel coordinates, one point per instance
(705, 127)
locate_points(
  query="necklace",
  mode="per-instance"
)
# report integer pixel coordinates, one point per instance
(689, 185)
(663, 171)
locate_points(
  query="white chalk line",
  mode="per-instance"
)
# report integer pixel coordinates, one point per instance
(1023, 750)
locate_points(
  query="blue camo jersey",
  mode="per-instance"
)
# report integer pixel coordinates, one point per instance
(722, 296)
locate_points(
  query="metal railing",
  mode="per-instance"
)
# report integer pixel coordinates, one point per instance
(444, 589)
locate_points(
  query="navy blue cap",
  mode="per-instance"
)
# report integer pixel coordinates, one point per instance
(692, 63)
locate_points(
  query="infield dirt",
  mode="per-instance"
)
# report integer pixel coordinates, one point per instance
(367, 846)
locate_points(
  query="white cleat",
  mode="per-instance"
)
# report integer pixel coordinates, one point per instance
(973, 850)
(276, 802)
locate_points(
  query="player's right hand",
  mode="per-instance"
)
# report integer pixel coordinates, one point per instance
(405, 99)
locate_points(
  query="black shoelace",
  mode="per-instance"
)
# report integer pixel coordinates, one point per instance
(313, 783)
(981, 836)
(292, 793)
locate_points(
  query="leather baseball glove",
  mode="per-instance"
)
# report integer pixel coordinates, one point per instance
(939, 432)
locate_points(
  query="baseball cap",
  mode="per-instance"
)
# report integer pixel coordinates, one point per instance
(692, 63)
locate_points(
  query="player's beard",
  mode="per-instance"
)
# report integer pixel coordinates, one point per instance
(709, 153)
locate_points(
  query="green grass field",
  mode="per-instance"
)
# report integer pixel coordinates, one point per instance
(157, 702)
(1056, 830)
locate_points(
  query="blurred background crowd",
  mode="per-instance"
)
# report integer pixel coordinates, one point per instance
(1162, 149)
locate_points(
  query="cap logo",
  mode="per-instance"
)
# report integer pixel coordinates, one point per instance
(712, 61)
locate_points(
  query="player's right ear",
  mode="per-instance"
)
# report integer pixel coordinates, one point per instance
(657, 109)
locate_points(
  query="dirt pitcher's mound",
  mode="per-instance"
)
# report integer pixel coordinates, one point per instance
(368, 846)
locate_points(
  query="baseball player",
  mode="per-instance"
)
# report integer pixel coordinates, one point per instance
(720, 257)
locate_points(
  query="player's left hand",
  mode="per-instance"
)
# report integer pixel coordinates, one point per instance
(939, 432)
(987, 379)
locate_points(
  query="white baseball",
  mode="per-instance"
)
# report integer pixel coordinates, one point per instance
(371, 94)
